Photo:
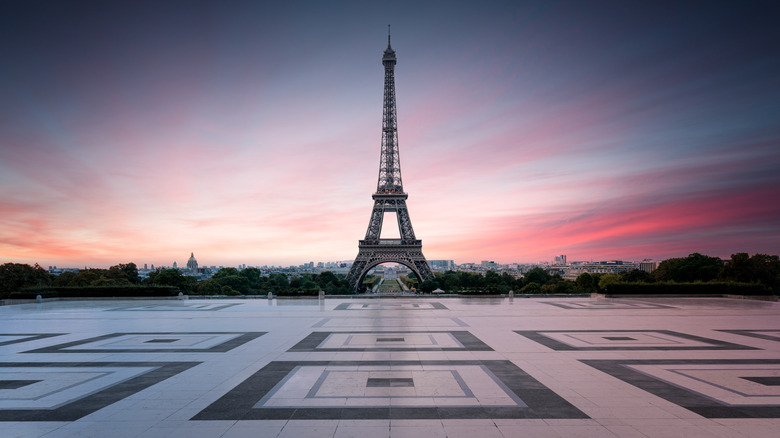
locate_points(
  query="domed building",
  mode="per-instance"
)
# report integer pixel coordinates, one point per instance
(192, 264)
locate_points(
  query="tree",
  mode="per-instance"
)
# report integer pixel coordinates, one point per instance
(169, 277)
(429, 286)
(531, 288)
(636, 275)
(448, 281)
(85, 278)
(15, 276)
(760, 268)
(225, 272)
(236, 282)
(254, 276)
(130, 270)
(326, 277)
(606, 280)
(63, 279)
(278, 282)
(310, 286)
(695, 267)
(586, 283)
(538, 276)
(209, 287)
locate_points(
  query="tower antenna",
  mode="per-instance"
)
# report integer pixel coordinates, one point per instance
(388, 35)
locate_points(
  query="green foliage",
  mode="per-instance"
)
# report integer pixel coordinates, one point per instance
(130, 271)
(225, 272)
(209, 287)
(538, 276)
(227, 290)
(761, 268)
(429, 286)
(636, 276)
(531, 288)
(369, 281)
(235, 282)
(15, 276)
(587, 283)
(411, 283)
(608, 280)
(695, 267)
(310, 286)
(172, 277)
(63, 279)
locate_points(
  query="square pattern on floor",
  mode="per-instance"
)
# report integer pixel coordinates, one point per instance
(14, 338)
(606, 305)
(432, 305)
(389, 390)
(164, 342)
(392, 323)
(562, 340)
(770, 335)
(391, 341)
(68, 391)
(194, 307)
(748, 388)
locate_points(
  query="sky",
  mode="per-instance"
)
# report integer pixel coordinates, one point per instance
(249, 132)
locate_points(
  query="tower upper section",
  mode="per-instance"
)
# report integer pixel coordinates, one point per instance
(389, 160)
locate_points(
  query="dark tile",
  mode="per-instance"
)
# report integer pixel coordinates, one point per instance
(220, 348)
(78, 408)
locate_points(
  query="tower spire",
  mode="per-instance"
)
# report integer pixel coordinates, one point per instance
(388, 36)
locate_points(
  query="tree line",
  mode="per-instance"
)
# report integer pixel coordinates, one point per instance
(227, 281)
(760, 269)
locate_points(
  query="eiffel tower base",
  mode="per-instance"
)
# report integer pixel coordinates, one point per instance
(370, 255)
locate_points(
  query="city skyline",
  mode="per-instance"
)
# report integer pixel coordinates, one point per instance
(250, 133)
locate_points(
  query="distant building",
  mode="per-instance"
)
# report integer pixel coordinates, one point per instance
(560, 260)
(192, 264)
(441, 265)
(608, 267)
(489, 265)
(175, 266)
(648, 266)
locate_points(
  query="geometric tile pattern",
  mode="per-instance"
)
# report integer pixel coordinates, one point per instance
(563, 340)
(68, 391)
(770, 335)
(400, 390)
(388, 322)
(13, 338)
(175, 307)
(601, 305)
(391, 364)
(434, 305)
(391, 341)
(745, 388)
(163, 342)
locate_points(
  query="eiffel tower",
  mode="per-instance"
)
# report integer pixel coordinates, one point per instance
(389, 197)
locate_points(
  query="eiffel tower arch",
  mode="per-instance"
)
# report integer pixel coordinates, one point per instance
(389, 197)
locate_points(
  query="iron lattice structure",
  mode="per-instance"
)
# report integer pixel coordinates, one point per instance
(389, 197)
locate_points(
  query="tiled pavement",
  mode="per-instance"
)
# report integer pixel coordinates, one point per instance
(446, 367)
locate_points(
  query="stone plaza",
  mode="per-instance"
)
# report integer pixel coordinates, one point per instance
(391, 367)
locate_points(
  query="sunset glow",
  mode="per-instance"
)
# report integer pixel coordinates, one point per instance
(248, 132)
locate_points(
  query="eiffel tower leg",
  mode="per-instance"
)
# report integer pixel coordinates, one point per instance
(356, 273)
